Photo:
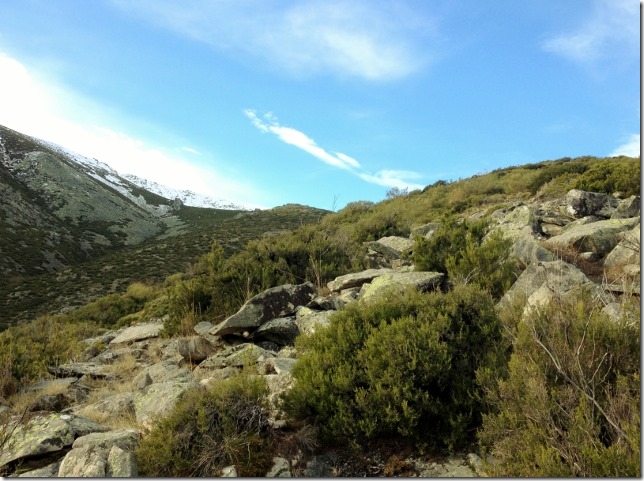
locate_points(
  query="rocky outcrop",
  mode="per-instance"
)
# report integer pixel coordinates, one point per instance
(392, 247)
(597, 237)
(271, 304)
(139, 332)
(356, 279)
(399, 281)
(579, 203)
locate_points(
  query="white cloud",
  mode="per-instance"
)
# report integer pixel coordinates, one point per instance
(610, 30)
(630, 148)
(37, 106)
(393, 178)
(357, 38)
(288, 135)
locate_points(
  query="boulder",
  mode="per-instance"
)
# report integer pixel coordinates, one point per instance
(158, 399)
(517, 221)
(163, 371)
(193, 349)
(627, 250)
(356, 279)
(282, 331)
(45, 434)
(271, 304)
(56, 394)
(580, 204)
(203, 329)
(86, 462)
(236, 356)
(110, 407)
(557, 277)
(121, 464)
(628, 208)
(279, 365)
(598, 237)
(529, 251)
(79, 369)
(126, 439)
(280, 469)
(311, 321)
(392, 247)
(399, 281)
(138, 333)
(426, 230)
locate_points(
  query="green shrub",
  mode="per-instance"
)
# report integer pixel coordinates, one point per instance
(570, 405)
(460, 249)
(620, 174)
(210, 429)
(403, 365)
(28, 349)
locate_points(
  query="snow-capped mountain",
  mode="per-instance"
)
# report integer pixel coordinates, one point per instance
(106, 174)
(188, 197)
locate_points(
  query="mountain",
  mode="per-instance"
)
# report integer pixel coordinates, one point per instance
(63, 215)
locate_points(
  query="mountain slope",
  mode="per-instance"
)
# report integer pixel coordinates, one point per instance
(62, 212)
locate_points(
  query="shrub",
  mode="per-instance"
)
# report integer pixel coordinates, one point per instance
(570, 405)
(620, 174)
(398, 366)
(210, 429)
(460, 249)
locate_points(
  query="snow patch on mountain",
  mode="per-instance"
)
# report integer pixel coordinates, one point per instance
(123, 184)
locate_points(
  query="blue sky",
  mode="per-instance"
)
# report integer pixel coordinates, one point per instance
(321, 102)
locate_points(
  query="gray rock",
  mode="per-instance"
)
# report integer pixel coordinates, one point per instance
(164, 371)
(236, 356)
(271, 304)
(139, 332)
(203, 329)
(627, 251)
(581, 204)
(158, 399)
(399, 281)
(44, 434)
(121, 464)
(627, 208)
(426, 230)
(321, 466)
(282, 331)
(598, 237)
(79, 369)
(517, 221)
(192, 349)
(539, 282)
(279, 365)
(116, 405)
(313, 321)
(229, 472)
(528, 251)
(356, 279)
(392, 247)
(85, 462)
(280, 469)
(126, 439)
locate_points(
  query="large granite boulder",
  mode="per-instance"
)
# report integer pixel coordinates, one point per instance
(581, 204)
(102, 455)
(192, 349)
(282, 331)
(44, 433)
(158, 399)
(139, 332)
(539, 283)
(627, 250)
(627, 208)
(271, 304)
(596, 237)
(399, 281)
(392, 247)
(309, 321)
(356, 279)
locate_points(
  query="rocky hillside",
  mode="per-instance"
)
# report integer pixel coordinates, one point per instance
(101, 413)
(67, 220)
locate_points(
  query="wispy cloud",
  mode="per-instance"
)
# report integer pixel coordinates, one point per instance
(36, 105)
(359, 38)
(611, 29)
(630, 148)
(269, 123)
